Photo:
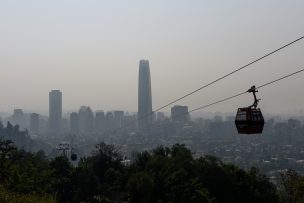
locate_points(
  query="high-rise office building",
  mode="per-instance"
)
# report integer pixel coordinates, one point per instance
(55, 111)
(74, 123)
(18, 118)
(144, 97)
(100, 121)
(109, 120)
(118, 118)
(34, 123)
(180, 113)
(86, 119)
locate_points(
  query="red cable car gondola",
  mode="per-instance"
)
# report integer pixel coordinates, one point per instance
(249, 120)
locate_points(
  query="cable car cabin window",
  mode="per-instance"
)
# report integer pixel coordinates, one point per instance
(257, 116)
(241, 116)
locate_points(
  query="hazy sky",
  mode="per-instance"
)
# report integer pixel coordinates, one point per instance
(90, 50)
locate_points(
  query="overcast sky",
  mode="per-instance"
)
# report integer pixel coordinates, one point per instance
(90, 50)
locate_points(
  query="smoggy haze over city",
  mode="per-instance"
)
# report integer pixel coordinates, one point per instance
(90, 50)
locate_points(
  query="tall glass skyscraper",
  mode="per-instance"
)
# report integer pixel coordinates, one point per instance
(55, 111)
(144, 97)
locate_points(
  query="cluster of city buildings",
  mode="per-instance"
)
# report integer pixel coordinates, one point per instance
(87, 121)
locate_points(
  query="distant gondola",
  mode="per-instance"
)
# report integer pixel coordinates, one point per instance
(74, 157)
(249, 120)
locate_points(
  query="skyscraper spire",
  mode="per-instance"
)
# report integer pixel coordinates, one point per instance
(144, 97)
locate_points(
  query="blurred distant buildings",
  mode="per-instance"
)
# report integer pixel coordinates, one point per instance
(34, 123)
(160, 116)
(74, 123)
(85, 119)
(100, 121)
(180, 114)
